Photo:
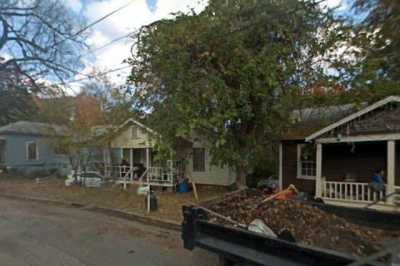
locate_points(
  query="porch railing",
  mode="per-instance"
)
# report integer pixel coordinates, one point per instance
(154, 175)
(118, 171)
(349, 191)
(160, 175)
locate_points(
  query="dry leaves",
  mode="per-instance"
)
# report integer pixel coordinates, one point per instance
(308, 224)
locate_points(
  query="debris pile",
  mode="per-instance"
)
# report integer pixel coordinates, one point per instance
(308, 224)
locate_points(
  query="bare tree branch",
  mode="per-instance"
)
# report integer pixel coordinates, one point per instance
(3, 38)
(40, 38)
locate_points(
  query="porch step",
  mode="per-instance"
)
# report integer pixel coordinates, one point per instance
(396, 199)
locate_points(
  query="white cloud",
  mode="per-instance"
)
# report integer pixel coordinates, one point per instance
(75, 5)
(97, 38)
(123, 22)
(340, 5)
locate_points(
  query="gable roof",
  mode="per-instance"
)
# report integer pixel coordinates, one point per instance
(112, 131)
(353, 116)
(32, 128)
(309, 120)
(135, 122)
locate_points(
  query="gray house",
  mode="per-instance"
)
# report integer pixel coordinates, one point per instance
(135, 144)
(29, 148)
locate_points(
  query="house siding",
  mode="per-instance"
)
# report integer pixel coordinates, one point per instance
(15, 158)
(124, 139)
(213, 175)
(339, 160)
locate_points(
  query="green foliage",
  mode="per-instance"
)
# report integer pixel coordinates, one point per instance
(378, 37)
(231, 74)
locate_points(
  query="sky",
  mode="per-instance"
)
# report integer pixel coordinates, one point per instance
(131, 18)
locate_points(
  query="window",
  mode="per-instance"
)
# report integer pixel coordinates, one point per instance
(199, 160)
(134, 132)
(306, 162)
(32, 152)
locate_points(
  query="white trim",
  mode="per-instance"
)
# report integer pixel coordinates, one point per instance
(318, 178)
(391, 168)
(27, 150)
(360, 138)
(131, 120)
(280, 166)
(148, 158)
(312, 178)
(354, 204)
(131, 162)
(353, 116)
(299, 174)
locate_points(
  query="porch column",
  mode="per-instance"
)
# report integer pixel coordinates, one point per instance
(280, 166)
(131, 162)
(318, 178)
(391, 164)
(147, 158)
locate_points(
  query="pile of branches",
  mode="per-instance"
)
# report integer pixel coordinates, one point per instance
(308, 224)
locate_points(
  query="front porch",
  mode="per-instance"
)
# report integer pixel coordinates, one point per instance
(137, 166)
(344, 170)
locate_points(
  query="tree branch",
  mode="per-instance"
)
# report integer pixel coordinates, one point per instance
(3, 39)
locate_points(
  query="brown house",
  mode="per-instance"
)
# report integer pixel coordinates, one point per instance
(332, 153)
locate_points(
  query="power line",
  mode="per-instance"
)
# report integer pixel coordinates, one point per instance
(109, 43)
(103, 17)
(96, 22)
(88, 76)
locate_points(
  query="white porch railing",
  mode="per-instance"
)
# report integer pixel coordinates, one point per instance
(160, 176)
(117, 171)
(349, 191)
(153, 176)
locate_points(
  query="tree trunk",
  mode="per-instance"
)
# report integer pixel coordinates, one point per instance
(241, 176)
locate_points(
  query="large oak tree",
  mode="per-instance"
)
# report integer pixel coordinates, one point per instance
(232, 73)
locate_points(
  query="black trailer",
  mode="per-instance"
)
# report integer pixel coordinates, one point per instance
(239, 246)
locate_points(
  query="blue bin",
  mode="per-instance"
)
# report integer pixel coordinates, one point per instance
(183, 187)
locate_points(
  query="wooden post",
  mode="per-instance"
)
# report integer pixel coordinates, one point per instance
(196, 196)
(131, 163)
(318, 178)
(280, 166)
(391, 166)
(148, 199)
(147, 158)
